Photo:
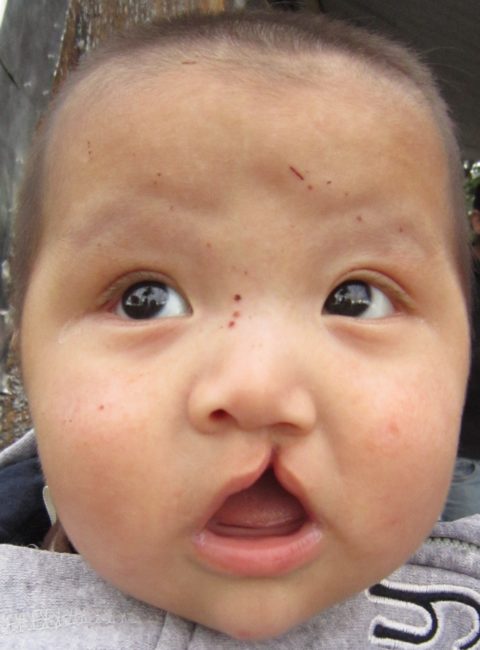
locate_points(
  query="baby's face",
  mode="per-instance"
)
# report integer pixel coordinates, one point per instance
(244, 342)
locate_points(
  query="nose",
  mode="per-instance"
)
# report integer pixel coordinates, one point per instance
(254, 379)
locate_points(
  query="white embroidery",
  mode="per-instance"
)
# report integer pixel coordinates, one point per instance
(434, 604)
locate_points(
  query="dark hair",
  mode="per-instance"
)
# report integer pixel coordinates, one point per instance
(476, 198)
(272, 43)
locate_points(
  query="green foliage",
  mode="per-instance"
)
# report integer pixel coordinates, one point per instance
(472, 181)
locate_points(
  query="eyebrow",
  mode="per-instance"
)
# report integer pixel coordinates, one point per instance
(109, 220)
(160, 218)
(113, 228)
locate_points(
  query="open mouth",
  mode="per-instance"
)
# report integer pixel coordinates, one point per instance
(265, 509)
(260, 531)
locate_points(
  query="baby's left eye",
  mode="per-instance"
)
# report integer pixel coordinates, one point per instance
(150, 299)
(358, 299)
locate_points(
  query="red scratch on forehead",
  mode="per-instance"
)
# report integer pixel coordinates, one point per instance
(296, 172)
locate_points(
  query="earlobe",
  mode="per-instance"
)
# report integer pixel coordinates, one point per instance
(47, 500)
(15, 341)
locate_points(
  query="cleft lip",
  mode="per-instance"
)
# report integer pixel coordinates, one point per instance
(284, 521)
(232, 486)
(291, 484)
(264, 509)
(271, 546)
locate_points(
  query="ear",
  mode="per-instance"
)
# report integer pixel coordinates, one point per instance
(14, 341)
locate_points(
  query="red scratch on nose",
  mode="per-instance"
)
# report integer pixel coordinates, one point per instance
(297, 173)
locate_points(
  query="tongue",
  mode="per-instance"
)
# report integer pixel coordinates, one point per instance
(265, 508)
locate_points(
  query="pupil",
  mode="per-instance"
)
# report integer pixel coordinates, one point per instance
(144, 300)
(349, 299)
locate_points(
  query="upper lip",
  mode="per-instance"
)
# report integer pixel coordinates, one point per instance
(292, 484)
(243, 481)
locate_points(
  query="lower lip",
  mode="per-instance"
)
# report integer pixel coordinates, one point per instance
(261, 557)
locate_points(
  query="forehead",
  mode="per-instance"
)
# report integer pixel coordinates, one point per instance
(191, 94)
(193, 123)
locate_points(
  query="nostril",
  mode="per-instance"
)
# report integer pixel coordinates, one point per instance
(219, 414)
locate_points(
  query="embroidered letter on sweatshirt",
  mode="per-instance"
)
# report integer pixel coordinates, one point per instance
(438, 607)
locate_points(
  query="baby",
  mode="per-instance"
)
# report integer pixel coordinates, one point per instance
(242, 302)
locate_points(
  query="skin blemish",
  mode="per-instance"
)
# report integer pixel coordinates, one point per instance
(101, 407)
(310, 187)
(231, 324)
(189, 62)
(346, 194)
(329, 182)
(400, 229)
(359, 218)
(208, 244)
(89, 149)
(237, 297)
(296, 172)
(159, 173)
(236, 314)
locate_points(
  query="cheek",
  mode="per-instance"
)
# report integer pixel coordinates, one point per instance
(98, 401)
(99, 437)
(405, 454)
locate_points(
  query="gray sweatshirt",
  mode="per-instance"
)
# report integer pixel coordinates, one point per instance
(54, 600)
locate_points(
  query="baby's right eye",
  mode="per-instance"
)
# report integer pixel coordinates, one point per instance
(151, 299)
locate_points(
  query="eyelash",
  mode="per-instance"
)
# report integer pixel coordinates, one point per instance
(111, 297)
(396, 294)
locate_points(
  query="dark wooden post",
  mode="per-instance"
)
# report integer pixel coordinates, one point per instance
(89, 22)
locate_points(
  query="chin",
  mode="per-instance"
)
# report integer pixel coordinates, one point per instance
(256, 631)
(256, 622)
